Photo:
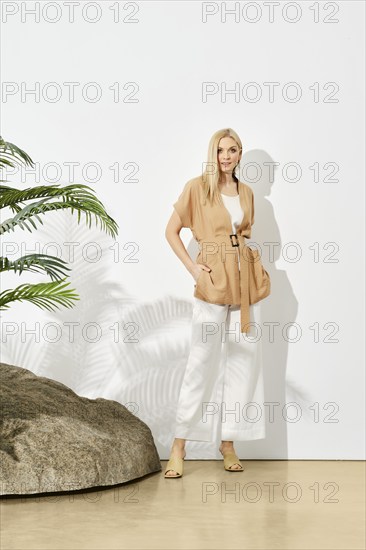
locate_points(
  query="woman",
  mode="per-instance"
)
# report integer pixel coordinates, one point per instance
(223, 377)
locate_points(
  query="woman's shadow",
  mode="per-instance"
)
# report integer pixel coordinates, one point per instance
(278, 313)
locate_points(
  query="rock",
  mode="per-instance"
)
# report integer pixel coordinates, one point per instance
(52, 439)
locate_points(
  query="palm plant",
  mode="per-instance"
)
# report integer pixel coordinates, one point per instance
(44, 198)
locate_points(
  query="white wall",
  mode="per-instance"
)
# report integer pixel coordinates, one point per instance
(315, 199)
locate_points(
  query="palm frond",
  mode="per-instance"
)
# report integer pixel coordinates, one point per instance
(76, 197)
(77, 191)
(45, 198)
(10, 153)
(44, 295)
(40, 207)
(37, 263)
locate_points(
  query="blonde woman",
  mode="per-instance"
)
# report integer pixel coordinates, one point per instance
(223, 383)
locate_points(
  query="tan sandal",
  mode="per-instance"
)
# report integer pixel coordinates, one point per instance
(230, 459)
(174, 463)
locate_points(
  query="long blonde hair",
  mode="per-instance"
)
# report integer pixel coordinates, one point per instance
(211, 172)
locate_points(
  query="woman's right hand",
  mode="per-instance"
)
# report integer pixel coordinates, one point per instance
(197, 270)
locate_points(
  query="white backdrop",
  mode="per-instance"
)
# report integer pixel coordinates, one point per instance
(152, 82)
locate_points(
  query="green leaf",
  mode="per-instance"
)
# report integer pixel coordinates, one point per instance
(75, 197)
(10, 153)
(51, 265)
(44, 295)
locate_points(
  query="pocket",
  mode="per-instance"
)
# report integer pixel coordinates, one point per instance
(204, 288)
(260, 274)
(199, 276)
(207, 273)
(260, 282)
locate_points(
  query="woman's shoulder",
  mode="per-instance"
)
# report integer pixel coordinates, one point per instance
(195, 182)
(246, 187)
(194, 185)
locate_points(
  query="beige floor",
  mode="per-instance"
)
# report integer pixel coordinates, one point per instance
(271, 505)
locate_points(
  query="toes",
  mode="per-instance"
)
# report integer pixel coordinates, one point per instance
(171, 473)
(235, 467)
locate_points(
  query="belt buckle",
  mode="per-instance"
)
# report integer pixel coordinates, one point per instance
(234, 235)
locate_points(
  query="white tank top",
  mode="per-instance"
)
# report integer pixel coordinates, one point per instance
(232, 204)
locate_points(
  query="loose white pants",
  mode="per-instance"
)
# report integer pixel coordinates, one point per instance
(223, 382)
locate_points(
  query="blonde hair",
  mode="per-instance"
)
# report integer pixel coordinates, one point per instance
(211, 173)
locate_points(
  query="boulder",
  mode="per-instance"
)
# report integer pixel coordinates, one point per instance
(52, 439)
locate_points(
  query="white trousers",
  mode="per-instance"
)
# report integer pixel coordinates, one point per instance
(223, 381)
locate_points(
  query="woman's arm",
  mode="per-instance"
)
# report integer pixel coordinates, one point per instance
(172, 235)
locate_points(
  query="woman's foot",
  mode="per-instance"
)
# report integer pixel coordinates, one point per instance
(179, 451)
(227, 447)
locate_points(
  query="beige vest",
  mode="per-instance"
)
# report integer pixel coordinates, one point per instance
(211, 227)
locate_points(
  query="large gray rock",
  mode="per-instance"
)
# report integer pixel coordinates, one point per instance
(51, 439)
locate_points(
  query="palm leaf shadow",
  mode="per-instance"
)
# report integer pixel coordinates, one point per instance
(78, 358)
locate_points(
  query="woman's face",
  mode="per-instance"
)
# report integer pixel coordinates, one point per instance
(228, 154)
